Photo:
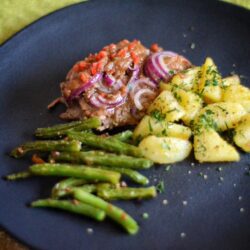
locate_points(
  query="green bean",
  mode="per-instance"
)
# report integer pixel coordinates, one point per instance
(126, 193)
(113, 212)
(125, 136)
(108, 144)
(45, 146)
(17, 176)
(77, 171)
(60, 188)
(132, 174)
(61, 129)
(90, 188)
(73, 206)
(102, 159)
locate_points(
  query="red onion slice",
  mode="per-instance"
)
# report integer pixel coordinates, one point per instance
(111, 103)
(134, 76)
(141, 83)
(159, 60)
(118, 85)
(138, 95)
(108, 90)
(151, 71)
(77, 92)
(95, 102)
(108, 80)
(157, 69)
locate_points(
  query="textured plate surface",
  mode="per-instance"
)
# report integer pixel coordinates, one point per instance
(34, 62)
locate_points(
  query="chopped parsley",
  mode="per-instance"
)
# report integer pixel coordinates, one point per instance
(150, 126)
(224, 110)
(177, 97)
(164, 132)
(219, 169)
(145, 216)
(214, 76)
(165, 145)
(157, 114)
(172, 110)
(160, 187)
(209, 112)
(168, 168)
(205, 121)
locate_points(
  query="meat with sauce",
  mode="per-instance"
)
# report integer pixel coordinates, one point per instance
(112, 85)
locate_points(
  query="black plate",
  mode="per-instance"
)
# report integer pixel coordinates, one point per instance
(34, 62)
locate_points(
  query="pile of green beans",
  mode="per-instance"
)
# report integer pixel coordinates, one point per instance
(93, 167)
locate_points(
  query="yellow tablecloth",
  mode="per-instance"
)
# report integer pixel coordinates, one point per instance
(16, 14)
(243, 3)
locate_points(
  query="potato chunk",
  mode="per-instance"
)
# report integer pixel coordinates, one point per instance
(210, 147)
(185, 79)
(156, 126)
(165, 149)
(167, 106)
(231, 80)
(190, 102)
(222, 115)
(239, 94)
(242, 134)
(209, 85)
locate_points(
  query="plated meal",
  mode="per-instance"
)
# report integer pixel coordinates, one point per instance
(174, 107)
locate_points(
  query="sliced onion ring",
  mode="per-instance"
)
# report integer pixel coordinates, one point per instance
(111, 103)
(77, 92)
(143, 82)
(108, 90)
(134, 76)
(108, 80)
(95, 102)
(138, 95)
(157, 69)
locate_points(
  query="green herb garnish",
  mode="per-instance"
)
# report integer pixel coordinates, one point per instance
(160, 187)
(145, 216)
(157, 114)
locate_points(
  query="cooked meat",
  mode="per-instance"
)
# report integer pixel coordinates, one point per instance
(110, 84)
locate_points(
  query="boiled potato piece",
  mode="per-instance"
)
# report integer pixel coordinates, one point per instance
(165, 149)
(222, 115)
(231, 80)
(210, 147)
(184, 79)
(237, 93)
(242, 134)
(190, 102)
(209, 85)
(155, 126)
(167, 106)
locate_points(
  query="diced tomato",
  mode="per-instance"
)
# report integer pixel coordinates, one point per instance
(132, 45)
(123, 216)
(123, 90)
(36, 159)
(101, 55)
(134, 57)
(82, 65)
(154, 47)
(84, 78)
(94, 69)
(112, 46)
(122, 53)
(76, 68)
(99, 66)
